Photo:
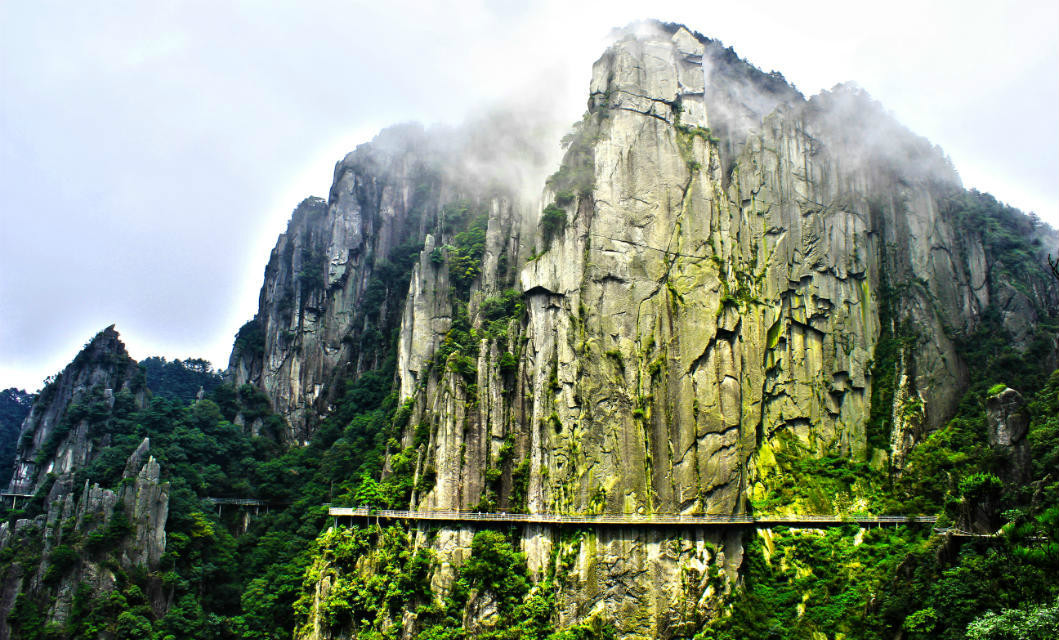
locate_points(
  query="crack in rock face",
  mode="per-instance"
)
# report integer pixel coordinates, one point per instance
(699, 285)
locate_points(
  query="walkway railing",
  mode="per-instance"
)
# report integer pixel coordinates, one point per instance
(256, 503)
(246, 502)
(14, 497)
(628, 520)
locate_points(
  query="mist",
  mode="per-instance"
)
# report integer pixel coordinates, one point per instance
(151, 155)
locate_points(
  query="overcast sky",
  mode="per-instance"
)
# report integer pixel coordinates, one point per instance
(150, 152)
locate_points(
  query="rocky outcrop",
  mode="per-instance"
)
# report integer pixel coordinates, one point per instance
(427, 318)
(78, 533)
(146, 503)
(1008, 422)
(58, 436)
(82, 524)
(336, 283)
(704, 287)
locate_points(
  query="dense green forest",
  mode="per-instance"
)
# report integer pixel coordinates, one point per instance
(14, 407)
(219, 584)
(179, 379)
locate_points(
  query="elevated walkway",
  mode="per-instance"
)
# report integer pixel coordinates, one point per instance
(630, 520)
(256, 503)
(245, 502)
(13, 497)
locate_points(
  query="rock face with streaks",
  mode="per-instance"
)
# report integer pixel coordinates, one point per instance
(64, 432)
(336, 283)
(1008, 422)
(55, 437)
(717, 268)
(138, 510)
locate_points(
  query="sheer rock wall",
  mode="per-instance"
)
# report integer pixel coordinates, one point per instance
(713, 292)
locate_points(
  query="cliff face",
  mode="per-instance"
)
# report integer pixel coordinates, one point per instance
(66, 547)
(56, 440)
(133, 518)
(336, 283)
(715, 280)
(688, 319)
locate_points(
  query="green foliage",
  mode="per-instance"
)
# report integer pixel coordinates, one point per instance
(519, 487)
(1007, 234)
(132, 627)
(389, 279)
(894, 344)
(921, 622)
(495, 567)
(798, 582)
(498, 572)
(398, 577)
(508, 363)
(260, 584)
(459, 348)
(455, 216)
(497, 314)
(437, 257)
(503, 307)
(564, 198)
(27, 617)
(1044, 437)
(989, 352)
(1040, 622)
(376, 573)
(996, 389)
(935, 467)
(109, 536)
(468, 245)
(577, 173)
(313, 270)
(61, 559)
(180, 379)
(553, 221)
(14, 407)
(686, 135)
(903, 580)
(246, 585)
(800, 482)
(250, 339)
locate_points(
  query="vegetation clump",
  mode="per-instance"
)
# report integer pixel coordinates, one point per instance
(375, 573)
(553, 221)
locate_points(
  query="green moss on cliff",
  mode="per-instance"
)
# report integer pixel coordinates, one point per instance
(883, 582)
(891, 349)
(802, 582)
(576, 174)
(371, 575)
(793, 480)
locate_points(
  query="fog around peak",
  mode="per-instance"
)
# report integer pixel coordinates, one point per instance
(152, 153)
